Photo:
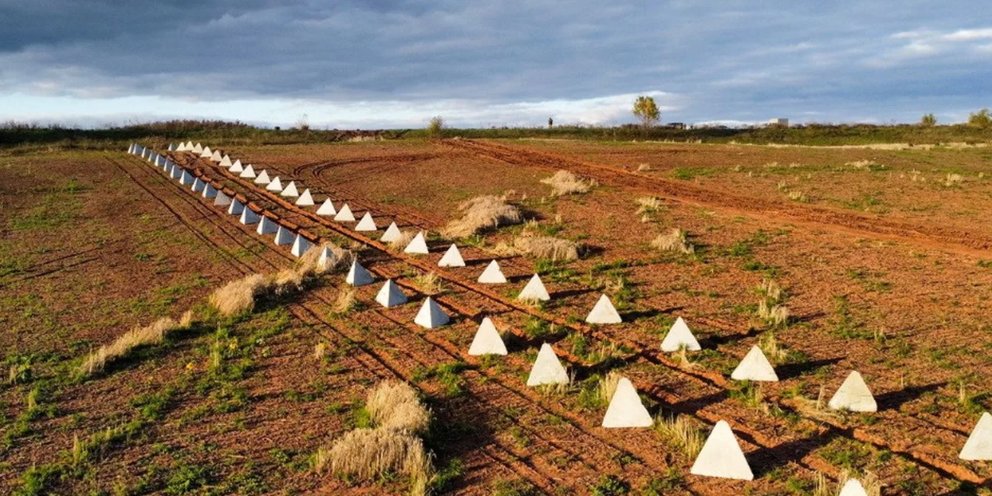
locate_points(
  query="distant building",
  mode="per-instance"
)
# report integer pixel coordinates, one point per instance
(675, 125)
(779, 122)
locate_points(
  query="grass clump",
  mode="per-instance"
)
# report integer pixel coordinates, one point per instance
(676, 241)
(482, 213)
(564, 183)
(771, 307)
(547, 247)
(396, 406)
(682, 434)
(238, 296)
(153, 333)
(430, 283)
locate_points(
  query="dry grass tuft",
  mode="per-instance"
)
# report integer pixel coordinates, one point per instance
(548, 247)
(404, 239)
(648, 204)
(345, 301)
(482, 213)
(676, 240)
(237, 297)
(139, 336)
(372, 454)
(682, 434)
(953, 180)
(320, 351)
(566, 183)
(871, 483)
(308, 263)
(429, 283)
(773, 314)
(608, 386)
(396, 406)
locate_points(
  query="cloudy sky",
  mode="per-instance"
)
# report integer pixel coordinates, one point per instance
(383, 63)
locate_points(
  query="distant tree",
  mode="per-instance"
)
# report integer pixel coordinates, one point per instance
(928, 120)
(647, 111)
(435, 128)
(981, 119)
(551, 122)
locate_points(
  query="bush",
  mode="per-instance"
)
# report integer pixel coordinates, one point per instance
(435, 127)
(481, 213)
(564, 182)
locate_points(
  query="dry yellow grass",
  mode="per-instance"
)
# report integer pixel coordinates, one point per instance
(546, 247)
(308, 263)
(371, 454)
(238, 296)
(396, 406)
(564, 182)
(648, 204)
(151, 334)
(682, 434)
(481, 213)
(429, 283)
(345, 301)
(608, 386)
(676, 240)
(403, 240)
(869, 481)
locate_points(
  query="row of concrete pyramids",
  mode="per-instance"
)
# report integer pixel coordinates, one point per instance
(721, 455)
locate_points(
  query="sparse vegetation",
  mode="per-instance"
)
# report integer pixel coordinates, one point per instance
(482, 213)
(676, 241)
(564, 183)
(547, 247)
(151, 334)
(682, 434)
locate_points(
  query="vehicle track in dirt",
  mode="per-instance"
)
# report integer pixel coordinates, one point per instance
(948, 239)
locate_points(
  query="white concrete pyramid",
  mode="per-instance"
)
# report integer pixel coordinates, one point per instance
(209, 192)
(176, 172)
(754, 367)
(853, 395)
(248, 172)
(130, 148)
(290, 190)
(492, 274)
(547, 369)
(222, 200)
(430, 315)
(167, 164)
(274, 185)
(144, 152)
(534, 290)
(721, 456)
(417, 245)
(626, 409)
(225, 161)
(216, 157)
(172, 147)
(158, 161)
(284, 236)
(392, 234)
(390, 295)
(236, 207)
(357, 275)
(181, 147)
(263, 178)
(189, 146)
(487, 340)
(679, 336)
(197, 148)
(853, 487)
(266, 226)
(327, 208)
(237, 166)
(327, 258)
(979, 443)
(198, 185)
(344, 214)
(248, 217)
(603, 313)
(300, 246)
(451, 258)
(186, 179)
(366, 224)
(305, 200)
(205, 152)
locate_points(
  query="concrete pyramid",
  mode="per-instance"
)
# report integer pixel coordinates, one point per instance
(248, 172)
(197, 148)
(159, 161)
(166, 164)
(392, 234)
(266, 225)
(222, 200)
(284, 236)
(176, 172)
(327, 208)
(248, 217)
(547, 369)
(853, 395)
(130, 148)
(492, 274)
(327, 258)
(186, 179)
(290, 190)
(209, 192)
(853, 487)
(305, 200)
(417, 245)
(603, 313)
(216, 157)
(534, 290)
(206, 152)
(430, 315)
(263, 178)
(300, 246)
(198, 185)
(626, 409)
(237, 166)
(144, 152)
(172, 147)
(181, 147)
(344, 214)
(487, 340)
(366, 224)
(357, 275)
(274, 185)
(754, 367)
(721, 456)
(390, 295)
(979, 443)
(679, 336)
(451, 258)
(236, 207)
(225, 161)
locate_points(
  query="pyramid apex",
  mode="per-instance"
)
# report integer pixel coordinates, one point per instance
(390, 295)
(721, 456)
(431, 315)
(626, 408)
(358, 275)
(754, 367)
(492, 275)
(367, 224)
(418, 245)
(452, 258)
(679, 336)
(853, 395)
(547, 368)
(345, 214)
(603, 312)
(487, 340)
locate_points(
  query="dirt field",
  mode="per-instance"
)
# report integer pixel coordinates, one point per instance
(884, 258)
